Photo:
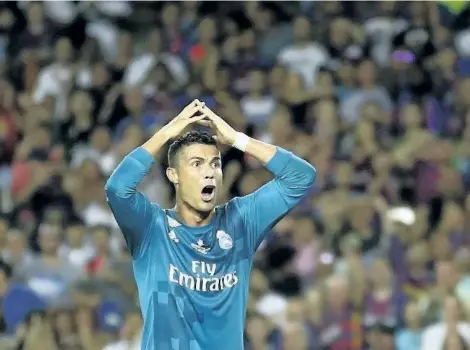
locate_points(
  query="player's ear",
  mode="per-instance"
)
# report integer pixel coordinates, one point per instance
(172, 175)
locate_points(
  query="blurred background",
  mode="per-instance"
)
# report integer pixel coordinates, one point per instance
(374, 94)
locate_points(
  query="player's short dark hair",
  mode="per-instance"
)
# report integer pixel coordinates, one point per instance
(190, 138)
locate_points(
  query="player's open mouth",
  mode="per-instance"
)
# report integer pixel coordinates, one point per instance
(208, 193)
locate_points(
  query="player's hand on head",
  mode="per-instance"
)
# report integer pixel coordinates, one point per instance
(224, 132)
(192, 113)
(193, 109)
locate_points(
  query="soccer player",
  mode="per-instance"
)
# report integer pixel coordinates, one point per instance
(192, 263)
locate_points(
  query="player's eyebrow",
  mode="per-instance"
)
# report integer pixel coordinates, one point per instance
(216, 158)
(195, 158)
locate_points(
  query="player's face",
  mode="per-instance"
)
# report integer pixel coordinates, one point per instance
(199, 176)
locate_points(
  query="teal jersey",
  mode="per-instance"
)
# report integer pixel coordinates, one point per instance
(193, 281)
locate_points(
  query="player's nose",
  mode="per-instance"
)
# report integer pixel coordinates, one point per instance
(209, 173)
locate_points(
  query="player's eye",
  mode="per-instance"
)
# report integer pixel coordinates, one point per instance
(196, 164)
(216, 165)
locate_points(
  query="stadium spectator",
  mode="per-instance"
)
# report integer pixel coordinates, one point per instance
(375, 95)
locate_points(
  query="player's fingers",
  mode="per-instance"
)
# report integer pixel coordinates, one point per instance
(189, 113)
(196, 119)
(200, 106)
(199, 103)
(205, 122)
(209, 114)
(190, 105)
(191, 109)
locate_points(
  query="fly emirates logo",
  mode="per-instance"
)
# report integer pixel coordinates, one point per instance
(203, 277)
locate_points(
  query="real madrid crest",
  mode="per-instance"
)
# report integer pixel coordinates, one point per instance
(225, 241)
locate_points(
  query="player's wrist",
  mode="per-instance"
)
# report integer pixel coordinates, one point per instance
(155, 144)
(241, 141)
(164, 134)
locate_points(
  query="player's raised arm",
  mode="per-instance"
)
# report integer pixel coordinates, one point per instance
(293, 179)
(133, 211)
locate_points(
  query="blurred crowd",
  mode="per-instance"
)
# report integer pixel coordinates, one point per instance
(373, 94)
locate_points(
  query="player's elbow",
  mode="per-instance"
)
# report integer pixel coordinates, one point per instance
(110, 188)
(309, 176)
(302, 176)
(116, 188)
